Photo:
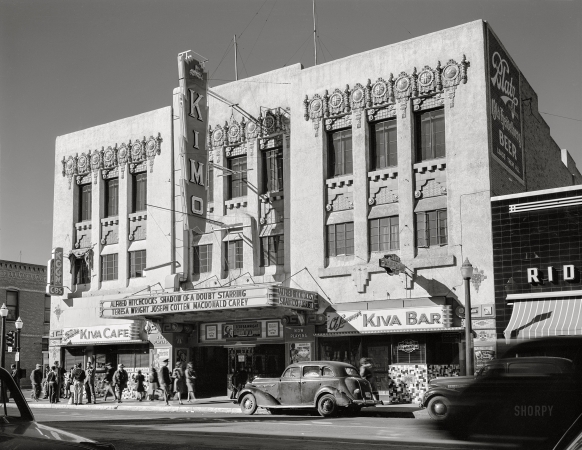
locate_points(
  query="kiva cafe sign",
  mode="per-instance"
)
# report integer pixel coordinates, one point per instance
(389, 319)
(112, 333)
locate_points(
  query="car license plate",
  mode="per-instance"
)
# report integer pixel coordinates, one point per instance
(368, 395)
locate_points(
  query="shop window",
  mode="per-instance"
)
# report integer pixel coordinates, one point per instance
(431, 228)
(137, 264)
(12, 305)
(273, 170)
(111, 197)
(109, 267)
(210, 179)
(202, 258)
(47, 309)
(407, 350)
(384, 141)
(82, 273)
(340, 239)
(237, 185)
(291, 372)
(272, 250)
(340, 153)
(85, 200)
(430, 142)
(234, 251)
(384, 234)
(140, 192)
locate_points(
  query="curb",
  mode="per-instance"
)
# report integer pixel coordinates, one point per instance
(118, 407)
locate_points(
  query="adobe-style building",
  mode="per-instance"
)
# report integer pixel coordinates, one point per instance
(262, 247)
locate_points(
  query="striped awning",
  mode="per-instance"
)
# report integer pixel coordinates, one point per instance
(550, 317)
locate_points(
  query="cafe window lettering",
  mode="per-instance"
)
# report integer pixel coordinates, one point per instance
(409, 350)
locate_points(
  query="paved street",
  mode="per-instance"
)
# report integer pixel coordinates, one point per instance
(152, 430)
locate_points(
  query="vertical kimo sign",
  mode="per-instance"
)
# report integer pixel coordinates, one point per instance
(55, 273)
(505, 108)
(192, 142)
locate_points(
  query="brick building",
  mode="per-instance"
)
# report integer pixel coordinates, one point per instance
(22, 290)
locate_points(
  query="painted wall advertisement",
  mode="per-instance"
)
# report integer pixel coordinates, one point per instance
(505, 109)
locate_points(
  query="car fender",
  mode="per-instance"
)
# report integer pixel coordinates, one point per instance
(448, 393)
(341, 398)
(263, 399)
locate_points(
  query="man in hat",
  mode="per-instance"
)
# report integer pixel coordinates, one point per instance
(108, 381)
(90, 383)
(78, 382)
(120, 378)
(36, 380)
(165, 381)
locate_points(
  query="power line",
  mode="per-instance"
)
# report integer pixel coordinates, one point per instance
(563, 117)
(262, 28)
(300, 47)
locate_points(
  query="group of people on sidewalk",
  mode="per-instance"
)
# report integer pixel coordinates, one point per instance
(77, 382)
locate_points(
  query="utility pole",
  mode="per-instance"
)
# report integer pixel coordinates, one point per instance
(314, 34)
(235, 59)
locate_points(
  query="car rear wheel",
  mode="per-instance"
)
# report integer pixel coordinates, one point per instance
(439, 408)
(327, 406)
(248, 404)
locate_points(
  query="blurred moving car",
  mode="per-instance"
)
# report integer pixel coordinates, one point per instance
(534, 406)
(440, 392)
(328, 386)
(19, 430)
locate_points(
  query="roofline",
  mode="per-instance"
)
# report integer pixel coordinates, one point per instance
(577, 187)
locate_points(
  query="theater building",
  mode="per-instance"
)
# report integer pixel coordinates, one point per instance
(245, 227)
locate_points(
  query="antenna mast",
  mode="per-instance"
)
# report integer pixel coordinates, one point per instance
(235, 59)
(314, 34)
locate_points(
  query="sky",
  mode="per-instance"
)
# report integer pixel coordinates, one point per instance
(66, 65)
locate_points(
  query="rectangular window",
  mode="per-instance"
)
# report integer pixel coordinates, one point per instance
(47, 309)
(109, 267)
(210, 179)
(111, 197)
(430, 127)
(234, 251)
(82, 274)
(384, 140)
(44, 344)
(340, 153)
(272, 250)
(340, 239)
(137, 263)
(409, 350)
(12, 305)
(238, 180)
(84, 202)
(140, 192)
(273, 170)
(431, 228)
(384, 234)
(203, 258)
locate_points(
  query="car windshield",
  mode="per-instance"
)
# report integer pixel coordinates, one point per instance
(352, 372)
(13, 406)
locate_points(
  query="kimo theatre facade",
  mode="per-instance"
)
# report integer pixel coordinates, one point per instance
(224, 329)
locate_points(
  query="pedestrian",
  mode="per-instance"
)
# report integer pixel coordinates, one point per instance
(233, 383)
(179, 383)
(367, 372)
(90, 383)
(120, 378)
(60, 371)
(153, 383)
(45, 389)
(52, 383)
(190, 381)
(69, 383)
(14, 373)
(139, 380)
(78, 380)
(36, 381)
(108, 382)
(165, 381)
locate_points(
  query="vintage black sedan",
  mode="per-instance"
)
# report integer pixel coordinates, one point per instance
(327, 386)
(19, 430)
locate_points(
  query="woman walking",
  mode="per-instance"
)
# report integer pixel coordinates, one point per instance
(152, 383)
(190, 381)
(139, 379)
(179, 383)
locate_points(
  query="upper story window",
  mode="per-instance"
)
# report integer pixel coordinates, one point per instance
(112, 197)
(340, 239)
(85, 195)
(234, 252)
(384, 234)
(140, 192)
(272, 250)
(210, 183)
(137, 263)
(109, 267)
(431, 228)
(203, 258)
(12, 305)
(384, 142)
(273, 170)
(237, 186)
(339, 153)
(430, 126)
(47, 309)
(82, 273)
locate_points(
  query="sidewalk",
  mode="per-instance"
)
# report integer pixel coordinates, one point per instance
(221, 405)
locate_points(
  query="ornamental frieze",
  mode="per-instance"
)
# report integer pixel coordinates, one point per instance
(112, 160)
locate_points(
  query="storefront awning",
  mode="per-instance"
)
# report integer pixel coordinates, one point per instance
(551, 317)
(416, 330)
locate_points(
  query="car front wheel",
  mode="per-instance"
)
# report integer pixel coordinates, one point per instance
(439, 408)
(327, 406)
(248, 404)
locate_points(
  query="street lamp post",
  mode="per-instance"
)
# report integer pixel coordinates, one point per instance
(467, 273)
(3, 313)
(19, 324)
